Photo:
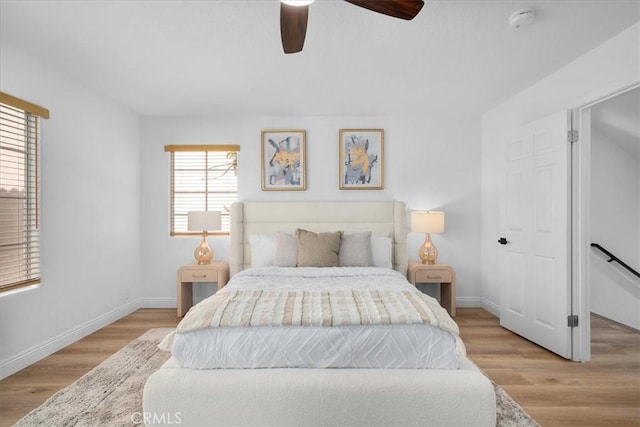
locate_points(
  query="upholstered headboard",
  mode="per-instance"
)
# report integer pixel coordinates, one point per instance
(249, 218)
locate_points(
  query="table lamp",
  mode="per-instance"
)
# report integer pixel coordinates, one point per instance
(204, 222)
(427, 222)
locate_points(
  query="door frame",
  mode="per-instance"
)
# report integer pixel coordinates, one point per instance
(581, 223)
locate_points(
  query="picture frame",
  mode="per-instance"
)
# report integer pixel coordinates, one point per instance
(361, 159)
(283, 159)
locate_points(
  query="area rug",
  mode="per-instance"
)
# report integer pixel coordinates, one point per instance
(111, 393)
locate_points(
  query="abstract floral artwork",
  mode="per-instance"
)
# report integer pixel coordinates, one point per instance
(283, 160)
(361, 159)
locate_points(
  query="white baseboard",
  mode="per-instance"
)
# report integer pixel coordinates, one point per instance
(28, 357)
(468, 302)
(479, 302)
(158, 302)
(491, 307)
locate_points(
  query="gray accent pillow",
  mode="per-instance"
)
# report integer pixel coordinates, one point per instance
(318, 249)
(381, 251)
(285, 250)
(355, 250)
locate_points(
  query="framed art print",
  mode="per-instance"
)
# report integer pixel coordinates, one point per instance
(283, 160)
(361, 159)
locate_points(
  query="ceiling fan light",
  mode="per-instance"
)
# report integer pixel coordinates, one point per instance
(297, 2)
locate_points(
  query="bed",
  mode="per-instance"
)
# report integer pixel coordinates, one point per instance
(385, 391)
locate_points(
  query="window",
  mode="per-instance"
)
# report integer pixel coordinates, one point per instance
(19, 192)
(203, 178)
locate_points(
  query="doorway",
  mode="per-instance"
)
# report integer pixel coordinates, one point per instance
(606, 212)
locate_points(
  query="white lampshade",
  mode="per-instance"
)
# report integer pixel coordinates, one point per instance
(427, 221)
(204, 221)
(297, 2)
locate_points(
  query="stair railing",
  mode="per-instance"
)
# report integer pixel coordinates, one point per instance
(613, 258)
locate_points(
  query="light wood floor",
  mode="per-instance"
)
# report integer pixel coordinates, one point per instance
(556, 392)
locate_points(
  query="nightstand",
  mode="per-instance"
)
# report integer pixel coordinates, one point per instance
(193, 273)
(436, 273)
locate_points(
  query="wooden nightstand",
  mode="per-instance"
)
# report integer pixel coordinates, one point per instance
(436, 273)
(193, 273)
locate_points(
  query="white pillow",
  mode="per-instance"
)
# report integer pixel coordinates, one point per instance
(355, 250)
(263, 250)
(381, 251)
(286, 250)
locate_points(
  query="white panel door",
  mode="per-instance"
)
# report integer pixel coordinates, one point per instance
(535, 283)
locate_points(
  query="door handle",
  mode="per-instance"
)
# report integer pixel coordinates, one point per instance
(503, 241)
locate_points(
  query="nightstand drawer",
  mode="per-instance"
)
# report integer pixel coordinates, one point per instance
(199, 275)
(433, 276)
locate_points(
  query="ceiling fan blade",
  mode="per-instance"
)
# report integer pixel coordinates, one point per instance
(293, 27)
(403, 9)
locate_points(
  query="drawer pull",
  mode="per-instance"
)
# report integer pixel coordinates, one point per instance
(198, 276)
(433, 277)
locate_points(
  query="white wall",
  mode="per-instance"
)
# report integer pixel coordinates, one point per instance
(609, 67)
(430, 163)
(90, 250)
(615, 224)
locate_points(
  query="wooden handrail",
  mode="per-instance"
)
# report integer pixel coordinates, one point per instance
(612, 258)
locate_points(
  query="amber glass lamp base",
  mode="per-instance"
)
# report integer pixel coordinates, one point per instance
(428, 252)
(203, 252)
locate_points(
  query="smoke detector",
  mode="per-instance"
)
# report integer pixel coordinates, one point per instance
(521, 17)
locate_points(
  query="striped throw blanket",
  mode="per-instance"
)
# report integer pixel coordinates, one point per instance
(274, 307)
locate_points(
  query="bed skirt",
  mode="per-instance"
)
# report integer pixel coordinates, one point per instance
(314, 397)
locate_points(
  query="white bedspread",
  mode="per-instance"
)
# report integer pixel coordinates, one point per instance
(380, 346)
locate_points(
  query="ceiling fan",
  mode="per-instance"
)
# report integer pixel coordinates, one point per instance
(294, 14)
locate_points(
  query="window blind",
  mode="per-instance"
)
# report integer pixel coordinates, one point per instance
(203, 178)
(19, 192)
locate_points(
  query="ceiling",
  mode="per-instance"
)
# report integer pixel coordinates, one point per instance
(225, 57)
